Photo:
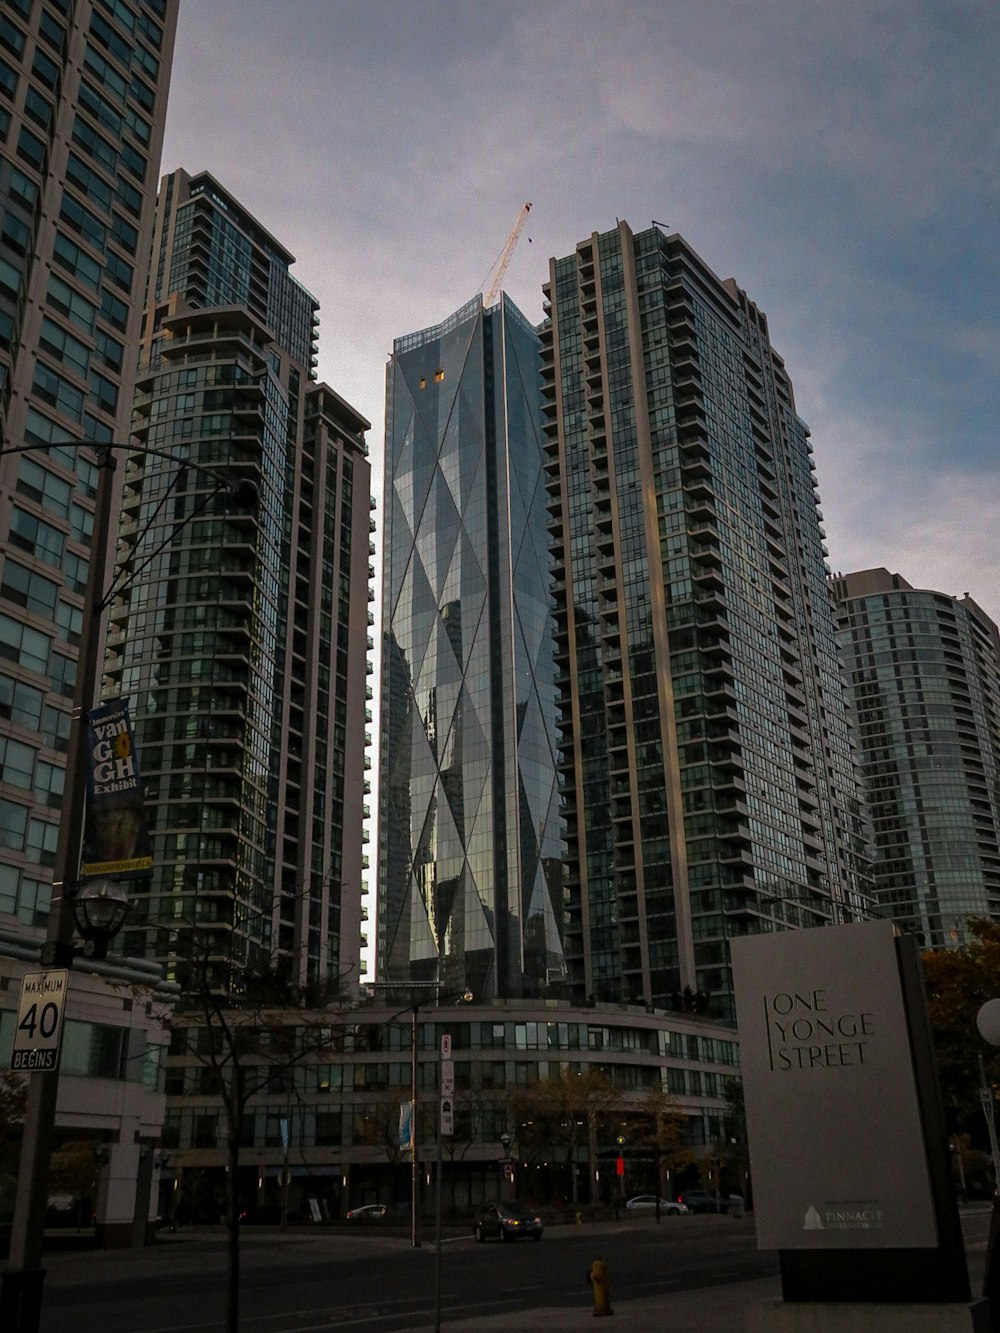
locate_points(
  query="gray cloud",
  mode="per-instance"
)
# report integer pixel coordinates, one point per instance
(839, 160)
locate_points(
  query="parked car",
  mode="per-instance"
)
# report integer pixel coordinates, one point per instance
(262, 1215)
(507, 1221)
(646, 1203)
(62, 1211)
(368, 1212)
(700, 1201)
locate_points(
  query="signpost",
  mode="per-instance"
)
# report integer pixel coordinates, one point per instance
(38, 1034)
(446, 1126)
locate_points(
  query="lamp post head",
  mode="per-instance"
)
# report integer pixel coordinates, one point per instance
(99, 908)
(243, 494)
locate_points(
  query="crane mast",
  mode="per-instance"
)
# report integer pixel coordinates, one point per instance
(505, 256)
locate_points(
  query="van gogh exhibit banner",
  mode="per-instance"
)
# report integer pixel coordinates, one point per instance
(116, 839)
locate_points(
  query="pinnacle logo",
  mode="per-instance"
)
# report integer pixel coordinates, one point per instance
(863, 1215)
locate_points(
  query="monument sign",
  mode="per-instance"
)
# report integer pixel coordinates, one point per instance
(848, 1152)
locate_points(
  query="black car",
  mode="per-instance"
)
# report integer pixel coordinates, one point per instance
(700, 1201)
(507, 1221)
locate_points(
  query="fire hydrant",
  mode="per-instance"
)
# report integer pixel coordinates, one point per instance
(601, 1283)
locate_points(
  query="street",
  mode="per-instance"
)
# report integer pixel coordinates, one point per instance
(374, 1282)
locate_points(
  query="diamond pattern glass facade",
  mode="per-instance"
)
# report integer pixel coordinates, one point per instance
(470, 889)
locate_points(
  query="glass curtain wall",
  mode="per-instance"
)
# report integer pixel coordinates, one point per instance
(470, 886)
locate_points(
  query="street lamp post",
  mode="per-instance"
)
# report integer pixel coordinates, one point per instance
(414, 1133)
(99, 910)
(437, 997)
(505, 1141)
(988, 1023)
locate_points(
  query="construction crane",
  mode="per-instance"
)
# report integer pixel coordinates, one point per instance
(500, 268)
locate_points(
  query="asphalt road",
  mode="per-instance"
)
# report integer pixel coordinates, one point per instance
(375, 1283)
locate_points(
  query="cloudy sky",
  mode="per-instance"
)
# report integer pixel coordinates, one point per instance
(838, 158)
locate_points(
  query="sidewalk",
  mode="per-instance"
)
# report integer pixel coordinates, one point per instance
(716, 1309)
(701, 1310)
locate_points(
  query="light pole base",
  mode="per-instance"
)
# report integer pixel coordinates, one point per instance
(21, 1299)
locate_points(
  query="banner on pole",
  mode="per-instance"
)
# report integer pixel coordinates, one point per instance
(116, 838)
(406, 1125)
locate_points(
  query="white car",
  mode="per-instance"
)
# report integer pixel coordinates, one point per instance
(646, 1203)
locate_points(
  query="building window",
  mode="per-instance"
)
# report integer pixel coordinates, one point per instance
(94, 1050)
(42, 486)
(41, 841)
(45, 70)
(17, 763)
(70, 257)
(57, 392)
(31, 149)
(77, 309)
(19, 643)
(103, 393)
(49, 780)
(28, 589)
(36, 537)
(63, 675)
(20, 703)
(64, 347)
(16, 234)
(11, 37)
(13, 825)
(39, 108)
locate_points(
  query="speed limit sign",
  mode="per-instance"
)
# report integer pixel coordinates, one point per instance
(40, 1021)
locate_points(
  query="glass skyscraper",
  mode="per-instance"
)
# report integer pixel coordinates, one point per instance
(242, 637)
(470, 888)
(709, 783)
(923, 670)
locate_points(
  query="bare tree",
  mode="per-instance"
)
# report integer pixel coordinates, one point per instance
(655, 1131)
(476, 1119)
(13, 1098)
(555, 1116)
(248, 1044)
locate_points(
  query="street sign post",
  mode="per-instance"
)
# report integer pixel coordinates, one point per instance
(38, 1034)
